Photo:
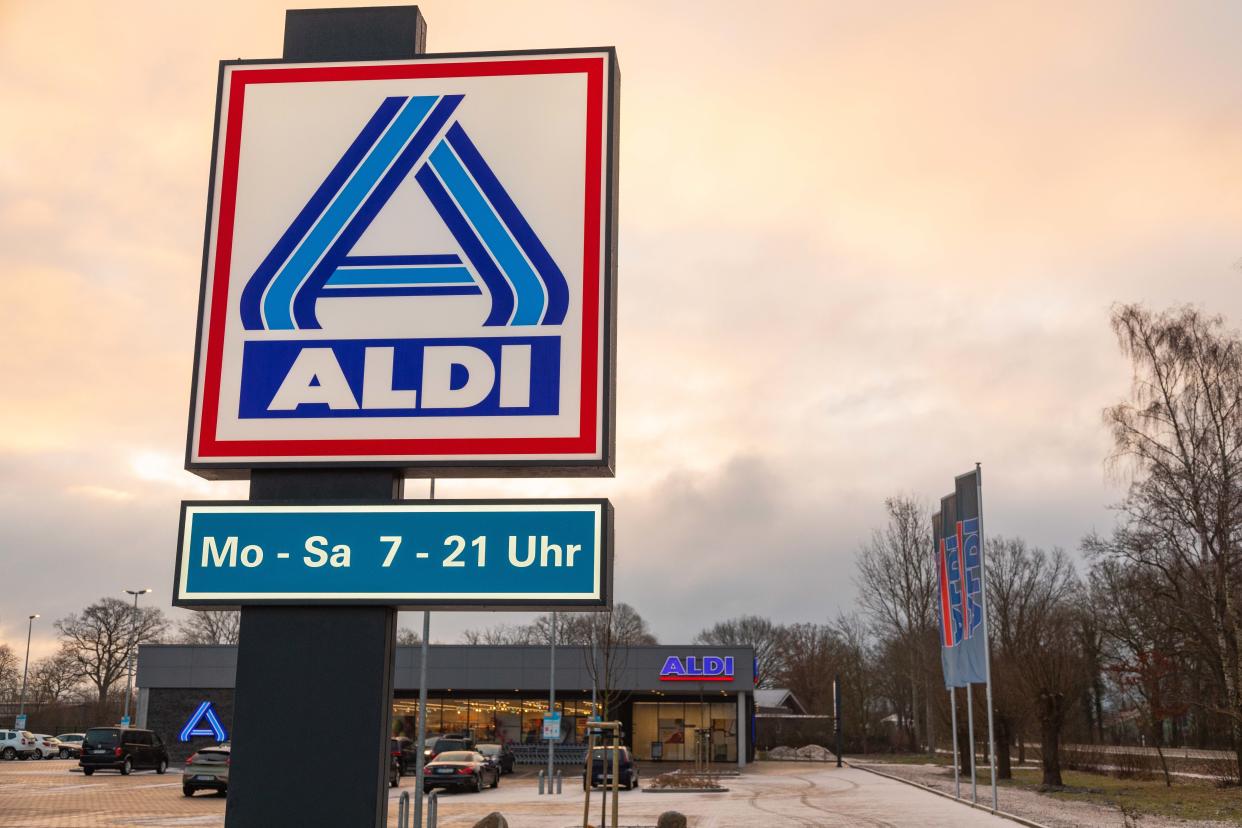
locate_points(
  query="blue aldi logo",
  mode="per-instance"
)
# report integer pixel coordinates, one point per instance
(203, 722)
(409, 263)
(697, 668)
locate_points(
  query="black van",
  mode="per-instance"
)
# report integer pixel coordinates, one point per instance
(122, 748)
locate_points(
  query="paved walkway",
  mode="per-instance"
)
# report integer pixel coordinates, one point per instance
(768, 794)
(50, 795)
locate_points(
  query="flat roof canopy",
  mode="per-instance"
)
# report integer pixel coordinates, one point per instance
(475, 668)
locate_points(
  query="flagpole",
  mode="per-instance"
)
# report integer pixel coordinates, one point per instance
(957, 767)
(970, 729)
(987, 641)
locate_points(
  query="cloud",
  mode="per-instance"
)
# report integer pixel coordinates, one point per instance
(861, 248)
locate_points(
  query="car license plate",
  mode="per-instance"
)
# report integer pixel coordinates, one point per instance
(202, 777)
(444, 770)
(99, 751)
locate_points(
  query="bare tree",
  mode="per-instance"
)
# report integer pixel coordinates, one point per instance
(605, 639)
(101, 639)
(1180, 437)
(210, 627)
(1033, 599)
(855, 661)
(408, 638)
(56, 678)
(896, 581)
(504, 635)
(10, 675)
(811, 654)
(1009, 577)
(1143, 651)
(749, 631)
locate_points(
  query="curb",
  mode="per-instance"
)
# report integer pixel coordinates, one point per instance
(685, 790)
(1002, 814)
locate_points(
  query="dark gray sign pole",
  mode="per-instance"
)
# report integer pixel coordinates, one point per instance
(836, 709)
(315, 683)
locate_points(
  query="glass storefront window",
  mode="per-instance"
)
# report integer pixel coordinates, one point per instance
(671, 730)
(508, 717)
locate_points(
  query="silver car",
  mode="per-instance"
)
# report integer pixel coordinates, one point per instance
(206, 770)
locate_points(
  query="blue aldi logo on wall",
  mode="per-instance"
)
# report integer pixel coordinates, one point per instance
(697, 668)
(204, 722)
(409, 263)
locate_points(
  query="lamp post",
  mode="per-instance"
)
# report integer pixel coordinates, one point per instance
(129, 682)
(21, 710)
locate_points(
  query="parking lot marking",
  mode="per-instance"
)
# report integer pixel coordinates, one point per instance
(66, 788)
(161, 821)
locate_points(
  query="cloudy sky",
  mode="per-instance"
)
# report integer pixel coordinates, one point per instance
(861, 247)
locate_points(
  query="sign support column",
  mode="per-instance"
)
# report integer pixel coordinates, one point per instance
(290, 659)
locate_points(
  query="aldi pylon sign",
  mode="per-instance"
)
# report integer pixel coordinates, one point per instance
(410, 264)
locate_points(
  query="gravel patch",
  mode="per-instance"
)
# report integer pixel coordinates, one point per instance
(1046, 810)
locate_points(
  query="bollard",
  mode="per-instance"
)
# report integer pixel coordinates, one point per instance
(560, 779)
(433, 809)
(403, 810)
(541, 783)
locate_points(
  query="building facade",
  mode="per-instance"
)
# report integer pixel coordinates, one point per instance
(671, 700)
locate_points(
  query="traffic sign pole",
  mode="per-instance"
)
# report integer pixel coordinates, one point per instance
(331, 666)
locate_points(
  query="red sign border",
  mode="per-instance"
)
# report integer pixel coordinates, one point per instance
(215, 454)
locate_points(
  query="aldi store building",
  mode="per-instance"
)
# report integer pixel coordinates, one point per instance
(670, 699)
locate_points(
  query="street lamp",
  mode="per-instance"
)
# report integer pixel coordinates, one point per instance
(21, 710)
(129, 682)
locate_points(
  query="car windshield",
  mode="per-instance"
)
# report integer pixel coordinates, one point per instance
(489, 750)
(456, 756)
(450, 744)
(101, 737)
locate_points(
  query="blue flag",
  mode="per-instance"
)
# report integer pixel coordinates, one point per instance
(959, 564)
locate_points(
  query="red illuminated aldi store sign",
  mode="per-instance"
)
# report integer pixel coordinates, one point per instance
(697, 668)
(410, 264)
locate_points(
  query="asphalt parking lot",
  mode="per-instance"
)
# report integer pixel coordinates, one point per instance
(51, 794)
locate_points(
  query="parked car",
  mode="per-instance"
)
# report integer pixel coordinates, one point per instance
(70, 745)
(207, 769)
(500, 754)
(46, 747)
(447, 743)
(601, 768)
(16, 744)
(124, 749)
(407, 755)
(461, 769)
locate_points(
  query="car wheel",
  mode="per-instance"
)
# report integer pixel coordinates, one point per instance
(64, 753)
(162, 766)
(87, 771)
(496, 781)
(478, 783)
(9, 754)
(186, 790)
(426, 790)
(38, 754)
(126, 767)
